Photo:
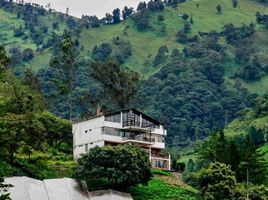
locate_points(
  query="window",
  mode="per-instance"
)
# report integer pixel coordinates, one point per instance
(111, 131)
(86, 147)
(131, 118)
(113, 118)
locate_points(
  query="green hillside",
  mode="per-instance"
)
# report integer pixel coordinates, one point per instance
(145, 44)
(190, 85)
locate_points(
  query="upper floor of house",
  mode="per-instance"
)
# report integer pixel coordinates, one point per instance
(128, 120)
(122, 126)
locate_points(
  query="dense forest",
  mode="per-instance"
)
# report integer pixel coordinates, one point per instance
(215, 71)
(200, 67)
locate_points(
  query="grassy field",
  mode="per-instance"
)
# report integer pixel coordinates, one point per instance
(8, 23)
(145, 44)
(164, 187)
(241, 124)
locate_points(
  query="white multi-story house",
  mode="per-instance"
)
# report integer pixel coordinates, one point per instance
(123, 127)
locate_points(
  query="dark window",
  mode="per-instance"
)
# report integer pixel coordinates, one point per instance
(111, 131)
(131, 118)
(113, 118)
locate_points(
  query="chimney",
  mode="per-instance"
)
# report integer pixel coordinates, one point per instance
(99, 111)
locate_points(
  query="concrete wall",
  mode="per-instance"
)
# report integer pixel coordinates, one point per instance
(88, 134)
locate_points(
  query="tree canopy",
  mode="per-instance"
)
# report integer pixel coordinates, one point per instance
(114, 167)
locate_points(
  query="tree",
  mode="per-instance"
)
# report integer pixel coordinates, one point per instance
(142, 6)
(214, 149)
(57, 130)
(160, 18)
(141, 19)
(4, 189)
(114, 167)
(191, 20)
(68, 63)
(116, 16)
(185, 17)
(108, 18)
(102, 52)
(253, 167)
(235, 3)
(4, 59)
(16, 55)
(186, 28)
(27, 54)
(217, 182)
(118, 84)
(31, 80)
(161, 55)
(181, 37)
(127, 12)
(219, 8)
(251, 71)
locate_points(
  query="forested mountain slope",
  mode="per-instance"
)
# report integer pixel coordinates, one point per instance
(199, 61)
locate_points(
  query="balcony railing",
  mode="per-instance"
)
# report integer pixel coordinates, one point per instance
(138, 124)
(140, 138)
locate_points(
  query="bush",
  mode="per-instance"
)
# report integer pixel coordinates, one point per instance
(256, 192)
(114, 167)
(217, 181)
(141, 20)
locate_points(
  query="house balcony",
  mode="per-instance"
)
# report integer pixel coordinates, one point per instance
(139, 139)
(139, 126)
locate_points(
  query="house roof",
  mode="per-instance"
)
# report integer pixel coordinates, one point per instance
(118, 111)
(137, 111)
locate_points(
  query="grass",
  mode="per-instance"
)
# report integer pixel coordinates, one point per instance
(145, 44)
(164, 188)
(240, 125)
(40, 165)
(9, 22)
(264, 149)
(259, 87)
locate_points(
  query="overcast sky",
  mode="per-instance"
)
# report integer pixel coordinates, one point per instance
(88, 7)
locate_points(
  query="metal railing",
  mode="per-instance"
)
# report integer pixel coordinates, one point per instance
(131, 123)
(140, 138)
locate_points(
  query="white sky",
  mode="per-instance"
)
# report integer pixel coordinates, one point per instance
(88, 7)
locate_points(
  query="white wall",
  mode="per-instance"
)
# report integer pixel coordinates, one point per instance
(87, 132)
(90, 133)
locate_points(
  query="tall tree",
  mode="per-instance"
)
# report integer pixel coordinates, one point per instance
(4, 59)
(217, 182)
(119, 84)
(127, 12)
(116, 15)
(64, 64)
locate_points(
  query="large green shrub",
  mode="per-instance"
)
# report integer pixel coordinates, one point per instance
(217, 182)
(114, 167)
